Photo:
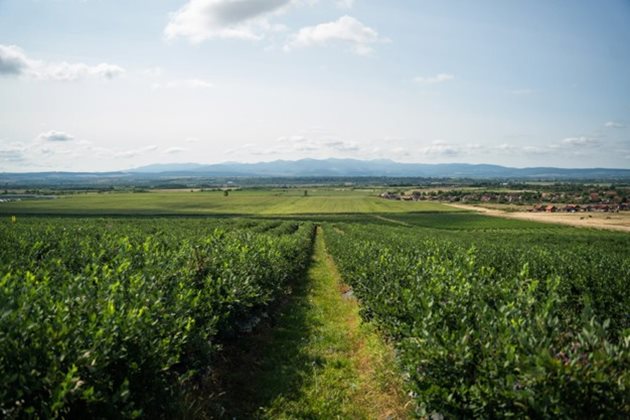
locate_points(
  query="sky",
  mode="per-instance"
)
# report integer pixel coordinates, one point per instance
(100, 85)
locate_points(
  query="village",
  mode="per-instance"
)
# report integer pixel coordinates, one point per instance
(608, 200)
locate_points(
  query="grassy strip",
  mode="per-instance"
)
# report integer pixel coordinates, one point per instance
(237, 203)
(319, 360)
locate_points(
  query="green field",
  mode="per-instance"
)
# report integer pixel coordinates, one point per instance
(123, 304)
(247, 202)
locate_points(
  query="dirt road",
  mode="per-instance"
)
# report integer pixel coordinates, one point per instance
(610, 221)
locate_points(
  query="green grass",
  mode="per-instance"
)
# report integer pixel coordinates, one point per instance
(319, 360)
(246, 202)
(466, 221)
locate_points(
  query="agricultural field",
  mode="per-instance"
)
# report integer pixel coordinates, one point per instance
(522, 322)
(242, 202)
(119, 317)
(333, 304)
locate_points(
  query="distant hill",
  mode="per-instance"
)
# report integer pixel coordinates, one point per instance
(292, 171)
(376, 168)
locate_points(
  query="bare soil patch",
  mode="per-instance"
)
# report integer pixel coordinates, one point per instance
(609, 221)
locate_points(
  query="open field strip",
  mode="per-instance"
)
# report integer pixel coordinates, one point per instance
(266, 202)
(618, 222)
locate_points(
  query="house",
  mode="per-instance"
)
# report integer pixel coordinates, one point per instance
(538, 207)
(389, 196)
(551, 208)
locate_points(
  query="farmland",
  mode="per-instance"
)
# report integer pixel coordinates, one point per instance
(105, 317)
(530, 323)
(126, 304)
(246, 202)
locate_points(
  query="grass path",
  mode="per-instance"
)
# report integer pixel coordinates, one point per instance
(320, 360)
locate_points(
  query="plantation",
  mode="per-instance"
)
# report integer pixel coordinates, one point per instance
(455, 313)
(118, 317)
(498, 324)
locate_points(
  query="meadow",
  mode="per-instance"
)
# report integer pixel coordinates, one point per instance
(240, 202)
(270, 303)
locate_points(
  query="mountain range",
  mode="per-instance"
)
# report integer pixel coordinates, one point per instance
(375, 168)
(330, 169)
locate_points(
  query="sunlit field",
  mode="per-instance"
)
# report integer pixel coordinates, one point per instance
(252, 202)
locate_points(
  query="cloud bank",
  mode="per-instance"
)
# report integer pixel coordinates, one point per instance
(15, 62)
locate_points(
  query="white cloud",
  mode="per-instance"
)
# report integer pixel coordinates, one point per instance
(580, 141)
(185, 83)
(440, 148)
(530, 150)
(55, 136)
(508, 147)
(569, 145)
(174, 150)
(308, 143)
(200, 20)
(75, 71)
(341, 146)
(12, 153)
(432, 80)
(346, 29)
(14, 62)
(614, 124)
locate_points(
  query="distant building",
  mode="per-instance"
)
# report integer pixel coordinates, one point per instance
(538, 207)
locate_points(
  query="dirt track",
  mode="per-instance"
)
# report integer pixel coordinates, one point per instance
(609, 221)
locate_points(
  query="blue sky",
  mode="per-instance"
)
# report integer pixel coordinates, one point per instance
(109, 84)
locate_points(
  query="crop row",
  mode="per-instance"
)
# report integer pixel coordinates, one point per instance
(498, 325)
(116, 317)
